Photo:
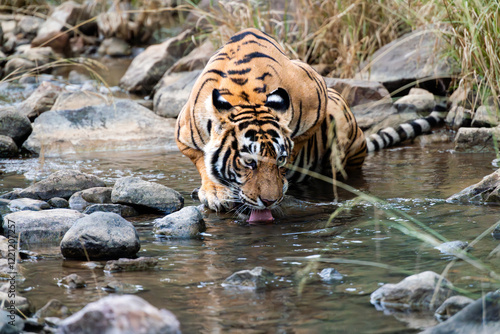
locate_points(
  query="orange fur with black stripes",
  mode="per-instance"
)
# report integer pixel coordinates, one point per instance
(252, 113)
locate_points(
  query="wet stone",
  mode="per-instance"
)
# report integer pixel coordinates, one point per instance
(100, 236)
(484, 191)
(119, 209)
(146, 195)
(14, 125)
(416, 292)
(5, 327)
(76, 202)
(114, 313)
(54, 308)
(28, 204)
(139, 264)
(58, 202)
(23, 305)
(122, 288)
(8, 147)
(330, 275)
(186, 223)
(256, 279)
(47, 226)
(72, 281)
(98, 195)
(452, 247)
(451, 306)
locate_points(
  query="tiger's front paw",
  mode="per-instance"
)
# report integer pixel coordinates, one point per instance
(215, 197)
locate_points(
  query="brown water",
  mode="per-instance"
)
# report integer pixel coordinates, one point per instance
(188, 279)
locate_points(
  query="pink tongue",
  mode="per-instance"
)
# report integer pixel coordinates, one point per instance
(260, 216)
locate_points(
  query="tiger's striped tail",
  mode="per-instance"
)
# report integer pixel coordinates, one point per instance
(391, 136)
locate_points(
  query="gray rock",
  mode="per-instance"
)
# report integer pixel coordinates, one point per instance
(39, 55)
(100, 236)
(358, 92)
(451, 306)
(256, 279)
(28, 26)
(172, 93)
(78, 100)
(63, 183)
(4, 246)
(6, 317)
(423, 292)
(487, 190)
(148, 67)
(72, 281)
(99, 195)
(414, 57)
(459, 117)
(371, 114)
(420, 98)
(47, 226)
(186, 223)
(125, 314)
(139, 264)
(122, 288)
(20, 65)
(452, 247)
(14, 125)
(480, 317)
(22, 305)
(464, 96)
(41, 100)
(76, 202)
(8, 148)
(147, 195)
(485, 116)
(477, 139)
(330, 275)
(125, 125)
(197, 59)
(28, 204)
(54, 308)
(119, 209)
(114, 47)
(68, 14)
(58, 202)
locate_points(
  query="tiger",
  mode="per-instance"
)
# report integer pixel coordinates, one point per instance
(254, 118)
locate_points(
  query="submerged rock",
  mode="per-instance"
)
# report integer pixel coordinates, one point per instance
(63, 183)
(100, 236)
(120, 314)
(451, 306)
(139, 264)
(330, 275)
(146, 195)
(148, 67)
(186, 223)
(424, 291)
(256, 279)
(47, 226)
(452, 247)
(123, 125)
(54, 308)
(28, 204)
(72, 281)
(481, 316)
(487, 190)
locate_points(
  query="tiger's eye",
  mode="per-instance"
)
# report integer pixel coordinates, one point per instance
(250, 163)
(281, 161)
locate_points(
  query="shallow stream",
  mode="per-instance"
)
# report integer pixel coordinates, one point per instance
(414, 180)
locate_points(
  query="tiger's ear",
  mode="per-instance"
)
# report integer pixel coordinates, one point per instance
(220, 103)
(278, 100)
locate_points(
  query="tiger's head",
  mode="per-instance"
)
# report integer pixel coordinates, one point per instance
(249, 147)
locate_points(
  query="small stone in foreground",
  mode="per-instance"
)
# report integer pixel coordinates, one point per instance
(139, 264)
(451, 306)
(120, 314)
(28, 204)
(58, 202)
(186, 223)
(100, 236)
(54, 308)
(256, 279)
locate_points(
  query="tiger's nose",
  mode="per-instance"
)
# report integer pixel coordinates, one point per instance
(268, 202)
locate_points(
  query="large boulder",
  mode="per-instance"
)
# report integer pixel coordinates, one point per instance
(125, 314)
(149, 66)
(172, 93)
(78, 100)
(414, 57)
(487, 190)
(121, 126)
(100, 236)
(40, 227)
(477, 139)
(15, 125)
(146, 195)
(480, 317)
(63, 183)
(197, 59)
(185, 223)
(421, 292)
